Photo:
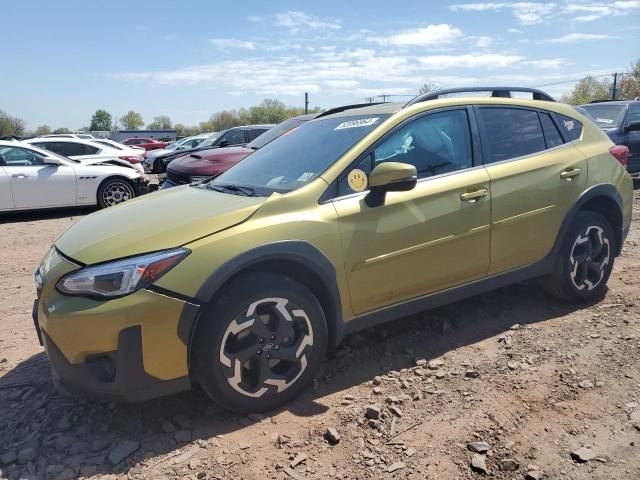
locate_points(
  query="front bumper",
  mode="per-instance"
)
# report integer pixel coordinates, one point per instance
(141, 186)
(127, 349)
(111, 376)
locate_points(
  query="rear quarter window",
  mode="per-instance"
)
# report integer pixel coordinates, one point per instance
(551, 133)
(570, 128)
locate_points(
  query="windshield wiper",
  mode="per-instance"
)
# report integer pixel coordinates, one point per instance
(235, 189)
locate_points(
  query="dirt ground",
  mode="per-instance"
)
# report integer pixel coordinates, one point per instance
(534, 378)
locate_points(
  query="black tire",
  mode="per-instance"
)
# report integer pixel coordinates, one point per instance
(585, 260)
(246, 354)
(114, 191)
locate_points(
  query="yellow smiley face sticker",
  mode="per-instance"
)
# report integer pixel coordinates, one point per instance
(357, 180)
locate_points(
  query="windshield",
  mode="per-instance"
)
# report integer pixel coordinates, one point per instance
(209, 141)
(300, 155)
(108, 144)
(606, 116)
(275, 132)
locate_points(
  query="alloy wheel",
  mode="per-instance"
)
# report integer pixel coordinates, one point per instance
(117, 192)
(263, 350)
(590, 255)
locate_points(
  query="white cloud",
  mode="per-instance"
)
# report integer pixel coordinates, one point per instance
(232, 43)
(548, 63)
(578, 37)
(423, 37)
(483, 42)
(527, 13)
(255, 18)
(514, 30)
(296, 21)
(487, 60)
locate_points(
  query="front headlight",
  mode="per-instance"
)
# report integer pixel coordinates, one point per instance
(121, 277)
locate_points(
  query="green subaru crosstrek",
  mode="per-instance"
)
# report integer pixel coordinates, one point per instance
(361, 216)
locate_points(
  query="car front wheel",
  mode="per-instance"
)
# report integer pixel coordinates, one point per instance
(585, 260)
(114, 191)
(260, 344)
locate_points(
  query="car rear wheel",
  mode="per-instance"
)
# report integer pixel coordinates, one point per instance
(114, 191)
(260, 344)
(585, 260)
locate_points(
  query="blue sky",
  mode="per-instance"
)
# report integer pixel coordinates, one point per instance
(64, 59)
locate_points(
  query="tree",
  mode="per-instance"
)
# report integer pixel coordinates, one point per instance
(161, 122)
(62, 130)
(588, 89)
(43, 130)
(100, 121)
(11, 126)
(428, 87)
(132, 120)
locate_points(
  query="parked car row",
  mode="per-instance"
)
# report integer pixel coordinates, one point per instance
(251, 276)
(230, 137)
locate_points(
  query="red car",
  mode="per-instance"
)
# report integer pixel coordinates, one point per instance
(203, 164)
(146, 143)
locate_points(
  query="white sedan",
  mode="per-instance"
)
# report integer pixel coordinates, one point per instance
(33, 178)
(78, 149)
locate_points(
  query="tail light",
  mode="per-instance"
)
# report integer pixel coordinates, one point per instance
(621, 153)
(130, 159)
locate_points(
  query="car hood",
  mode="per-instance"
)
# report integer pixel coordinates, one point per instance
(106, 161)
(203, 161)
(158, 221)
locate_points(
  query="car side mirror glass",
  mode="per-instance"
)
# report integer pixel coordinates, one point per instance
(224, 143)
(51, 161)
(390, 177)
(632, 126)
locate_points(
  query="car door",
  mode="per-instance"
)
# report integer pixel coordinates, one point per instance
(536, 175)
(6, 198)
(35, 184)
(427, 239)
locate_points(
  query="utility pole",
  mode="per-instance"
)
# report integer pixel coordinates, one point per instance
(369, 99)
(615, 84)
(384, 97)
(306, 102)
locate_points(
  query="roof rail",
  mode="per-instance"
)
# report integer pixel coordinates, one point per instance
(503, 92)
(331, 111)
(606, 100)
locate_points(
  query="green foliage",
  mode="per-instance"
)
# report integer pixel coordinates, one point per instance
(161, 122)
(132, 120)
(42, 130)
(11, 125)
(428, 87)
(62, 130)
(101, 121)
(588, 89)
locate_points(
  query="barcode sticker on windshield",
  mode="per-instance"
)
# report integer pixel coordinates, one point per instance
(363, 122)
(604, 120)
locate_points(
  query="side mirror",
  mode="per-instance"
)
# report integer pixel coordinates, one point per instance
(390, 177)
(632, 126)
(224, 143)
(51, 161)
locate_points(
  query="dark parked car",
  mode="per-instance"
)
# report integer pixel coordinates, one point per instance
(212, 162)
(231, 137)
(621, 121)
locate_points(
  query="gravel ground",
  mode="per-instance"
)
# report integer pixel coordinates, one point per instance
(510, 385)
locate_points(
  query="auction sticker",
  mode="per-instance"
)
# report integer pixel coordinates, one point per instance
(357, 180)
(363, 122)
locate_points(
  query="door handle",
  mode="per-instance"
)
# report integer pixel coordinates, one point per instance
(19, 175)
(474, 196)
(569, 174)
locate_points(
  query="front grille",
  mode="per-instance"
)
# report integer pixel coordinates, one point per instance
(177, 178)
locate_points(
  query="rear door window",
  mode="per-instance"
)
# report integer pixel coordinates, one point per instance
(235, 137)
(510, 133)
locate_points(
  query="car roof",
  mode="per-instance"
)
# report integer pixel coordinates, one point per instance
(609, 102)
